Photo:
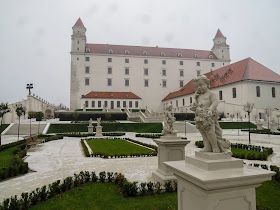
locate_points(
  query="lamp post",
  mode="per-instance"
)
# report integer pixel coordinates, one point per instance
(29, 87)
(248, 107)
(237, 122)
(267, 112)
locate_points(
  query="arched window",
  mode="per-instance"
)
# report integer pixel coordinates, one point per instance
(273, 92)
(162, 54)
(145, 53)
(234, 92)
(258, 91)
(180, 55)
(210, 56)
(190, 100)
(126, 52)
(220, 95)
(87, 50)
(110, 51)
(196, 55)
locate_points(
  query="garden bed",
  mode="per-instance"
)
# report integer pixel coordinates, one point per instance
(3, 127)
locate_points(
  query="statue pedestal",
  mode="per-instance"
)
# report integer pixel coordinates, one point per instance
(98, 131)
(273, 127)
(90, 129)
(259, 126)
(208, 181)
(170, 148)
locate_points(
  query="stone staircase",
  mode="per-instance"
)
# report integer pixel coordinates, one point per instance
(145, 117)
(25, 129)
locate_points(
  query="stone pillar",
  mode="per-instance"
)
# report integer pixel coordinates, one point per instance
(98, 131)
(259, 126)
(170, 148)
(90, 129)
(273, 127)
(208, 181)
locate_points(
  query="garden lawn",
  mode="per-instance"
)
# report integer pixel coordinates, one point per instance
(108, 127)
(3, 127)
(106, 196)
(112, 147)
(245, 152)
(6, 157)
(268, 195)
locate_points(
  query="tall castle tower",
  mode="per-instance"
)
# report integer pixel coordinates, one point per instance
(221, 48)
(78, 49)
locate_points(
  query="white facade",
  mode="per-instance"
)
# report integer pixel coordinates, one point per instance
(32, 104)
(149, 77)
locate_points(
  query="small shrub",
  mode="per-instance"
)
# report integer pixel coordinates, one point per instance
(93, 177)
(150, 186)
(102, 176)
(143, 189)
(168, 186)
(158, 187)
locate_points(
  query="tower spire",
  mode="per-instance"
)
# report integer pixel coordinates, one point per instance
(79, 23)
(219, 34)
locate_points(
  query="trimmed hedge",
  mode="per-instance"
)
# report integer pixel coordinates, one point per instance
(152, 136)
(13, 144)
(126, 188)
(3, 127)
(68, 116)
(264, 151)
(85, 148)
(184, 116)
(264, 131)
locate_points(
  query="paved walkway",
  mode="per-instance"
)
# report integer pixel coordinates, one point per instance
(61, 158)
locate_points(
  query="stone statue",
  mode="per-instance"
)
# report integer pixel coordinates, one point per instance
(99, 121)
(168, 121)
(206, 117)
(90, 122)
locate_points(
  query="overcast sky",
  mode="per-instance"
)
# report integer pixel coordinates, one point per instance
(36, 35)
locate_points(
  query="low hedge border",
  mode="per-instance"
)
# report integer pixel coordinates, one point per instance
(101, 155)
(13, 144)
(152, 136)
(85, 148)
(126, 188)
(264, 131)
(17, 166)
(274, 168)
(90, 134)
(266, 151)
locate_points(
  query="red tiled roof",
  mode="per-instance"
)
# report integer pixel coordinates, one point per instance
(247, 69)
(219, 34)
(151, 51)
(79, 23)
(120, 95)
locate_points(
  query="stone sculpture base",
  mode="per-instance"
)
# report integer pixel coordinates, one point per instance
(259, 126)
(170, 148)
(90, 129)
(98, 131)
(208, 181)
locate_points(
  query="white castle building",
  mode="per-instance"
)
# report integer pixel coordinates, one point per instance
(119, 76)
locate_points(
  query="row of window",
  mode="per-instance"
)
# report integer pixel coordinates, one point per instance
(112, 104)
(146, 71)
(146, 61)
(126, 82)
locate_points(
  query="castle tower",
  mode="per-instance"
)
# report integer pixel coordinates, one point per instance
(79, 37)
(221, 48)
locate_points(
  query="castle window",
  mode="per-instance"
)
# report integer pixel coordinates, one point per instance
(273, 92)
(258, 91)
(197, 63)
(163, 62)
(180, 55)
(210, 56)
(77, 58)
(136, 104)
(126, 71)
(126, 82)
(163, 83)
(181, 83)
(86, 103)
(109, 70)
(78, 48)
(190, 100)
(106, 104)
(213, 64)
(146, 83)
(162, 54)
(198, 72)
(110, 51)
(163, 72)
(124, 104)
(87, 50)
(93, 104)
(109, 82)
(126, 52)
(181, 72)
(145, 53)
(196, 55)
(78, 42)
(87, 70)
(176, 103)
(126, 60)
(146, 71)
(130, 104)
(181, 63)
(145, 61)
(233, 92)
(183, 102)
(109, 60)
(86, 81)
(87, 58)
(118, 104)
(220, 95)
(99, 104)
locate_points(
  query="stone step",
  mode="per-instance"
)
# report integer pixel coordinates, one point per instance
(24, 129)
(180, 127)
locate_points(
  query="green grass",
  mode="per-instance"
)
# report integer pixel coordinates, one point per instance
(235, 125)
(3, 127)
(268, 195)
(244, 151)
(106, 196)
(108, 127)
(6, 157)
(112, 147)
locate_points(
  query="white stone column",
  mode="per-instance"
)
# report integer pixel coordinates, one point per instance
(170, 148)
(208, 181)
